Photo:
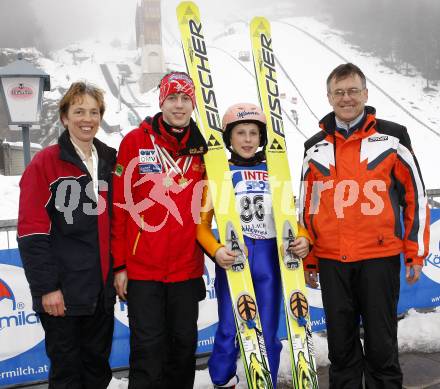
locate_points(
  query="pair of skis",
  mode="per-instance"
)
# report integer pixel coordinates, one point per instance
(249, 330)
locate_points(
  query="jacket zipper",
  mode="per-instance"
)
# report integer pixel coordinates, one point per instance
(138, 236)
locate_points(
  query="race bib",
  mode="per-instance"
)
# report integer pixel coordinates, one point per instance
(254, 203)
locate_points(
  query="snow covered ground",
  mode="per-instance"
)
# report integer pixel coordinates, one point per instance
(308, 50)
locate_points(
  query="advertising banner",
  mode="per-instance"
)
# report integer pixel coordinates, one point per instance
(22, 352)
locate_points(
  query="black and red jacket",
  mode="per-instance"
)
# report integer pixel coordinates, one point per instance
(154, 226)
(354, 190)
(63, 236)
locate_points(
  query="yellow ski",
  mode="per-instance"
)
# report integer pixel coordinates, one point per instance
(250, 335)
(304, 374)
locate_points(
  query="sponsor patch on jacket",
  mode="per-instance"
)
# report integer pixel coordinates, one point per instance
(145, 168)
(195, 150)
(316, 150)
(119, 170)
(378, 138)
(148, 156)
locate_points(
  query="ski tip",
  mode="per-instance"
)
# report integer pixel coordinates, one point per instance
(184, 4)
(186, 8)
(259, 23)
(258, 19)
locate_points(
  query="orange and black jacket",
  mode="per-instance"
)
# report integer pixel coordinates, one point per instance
(354, 190)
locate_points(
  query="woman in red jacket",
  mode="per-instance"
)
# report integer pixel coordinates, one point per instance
(64, 242)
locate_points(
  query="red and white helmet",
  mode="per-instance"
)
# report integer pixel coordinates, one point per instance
(244, 113)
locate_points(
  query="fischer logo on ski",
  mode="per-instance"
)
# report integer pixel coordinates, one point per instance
(204, 73)
(267, 60)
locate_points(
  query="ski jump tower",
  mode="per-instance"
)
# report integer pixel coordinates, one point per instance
(149, 40)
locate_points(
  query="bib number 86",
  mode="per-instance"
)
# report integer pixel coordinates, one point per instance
(251, 208)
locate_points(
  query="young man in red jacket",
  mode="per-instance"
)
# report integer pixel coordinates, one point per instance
(358, 172)
(158, 264)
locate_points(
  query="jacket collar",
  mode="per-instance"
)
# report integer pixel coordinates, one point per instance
(193, 142)
(106, 154)
(328, 122)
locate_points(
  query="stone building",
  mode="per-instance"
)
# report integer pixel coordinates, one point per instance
(149, 40)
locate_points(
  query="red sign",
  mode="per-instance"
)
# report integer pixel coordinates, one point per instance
(21, 92)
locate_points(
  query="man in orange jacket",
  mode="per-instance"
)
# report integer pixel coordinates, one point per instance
(358, 173)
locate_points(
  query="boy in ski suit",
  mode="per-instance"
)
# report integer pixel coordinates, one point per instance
(158, 263)
(244, 131)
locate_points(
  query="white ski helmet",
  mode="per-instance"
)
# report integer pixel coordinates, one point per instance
(244, 113)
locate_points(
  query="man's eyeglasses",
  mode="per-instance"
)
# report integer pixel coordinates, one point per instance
(351, 92)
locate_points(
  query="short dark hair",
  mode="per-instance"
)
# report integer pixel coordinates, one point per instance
(345, 70)
(76, 91)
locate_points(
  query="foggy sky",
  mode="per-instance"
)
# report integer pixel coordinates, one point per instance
(53, 24)
(66, 21)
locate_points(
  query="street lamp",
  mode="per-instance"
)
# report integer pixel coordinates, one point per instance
(22, 87)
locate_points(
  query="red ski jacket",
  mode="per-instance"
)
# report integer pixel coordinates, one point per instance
(64, 231)
(155, 209)
(354, 190)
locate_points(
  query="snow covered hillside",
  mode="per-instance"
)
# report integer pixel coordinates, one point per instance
(307, 51)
